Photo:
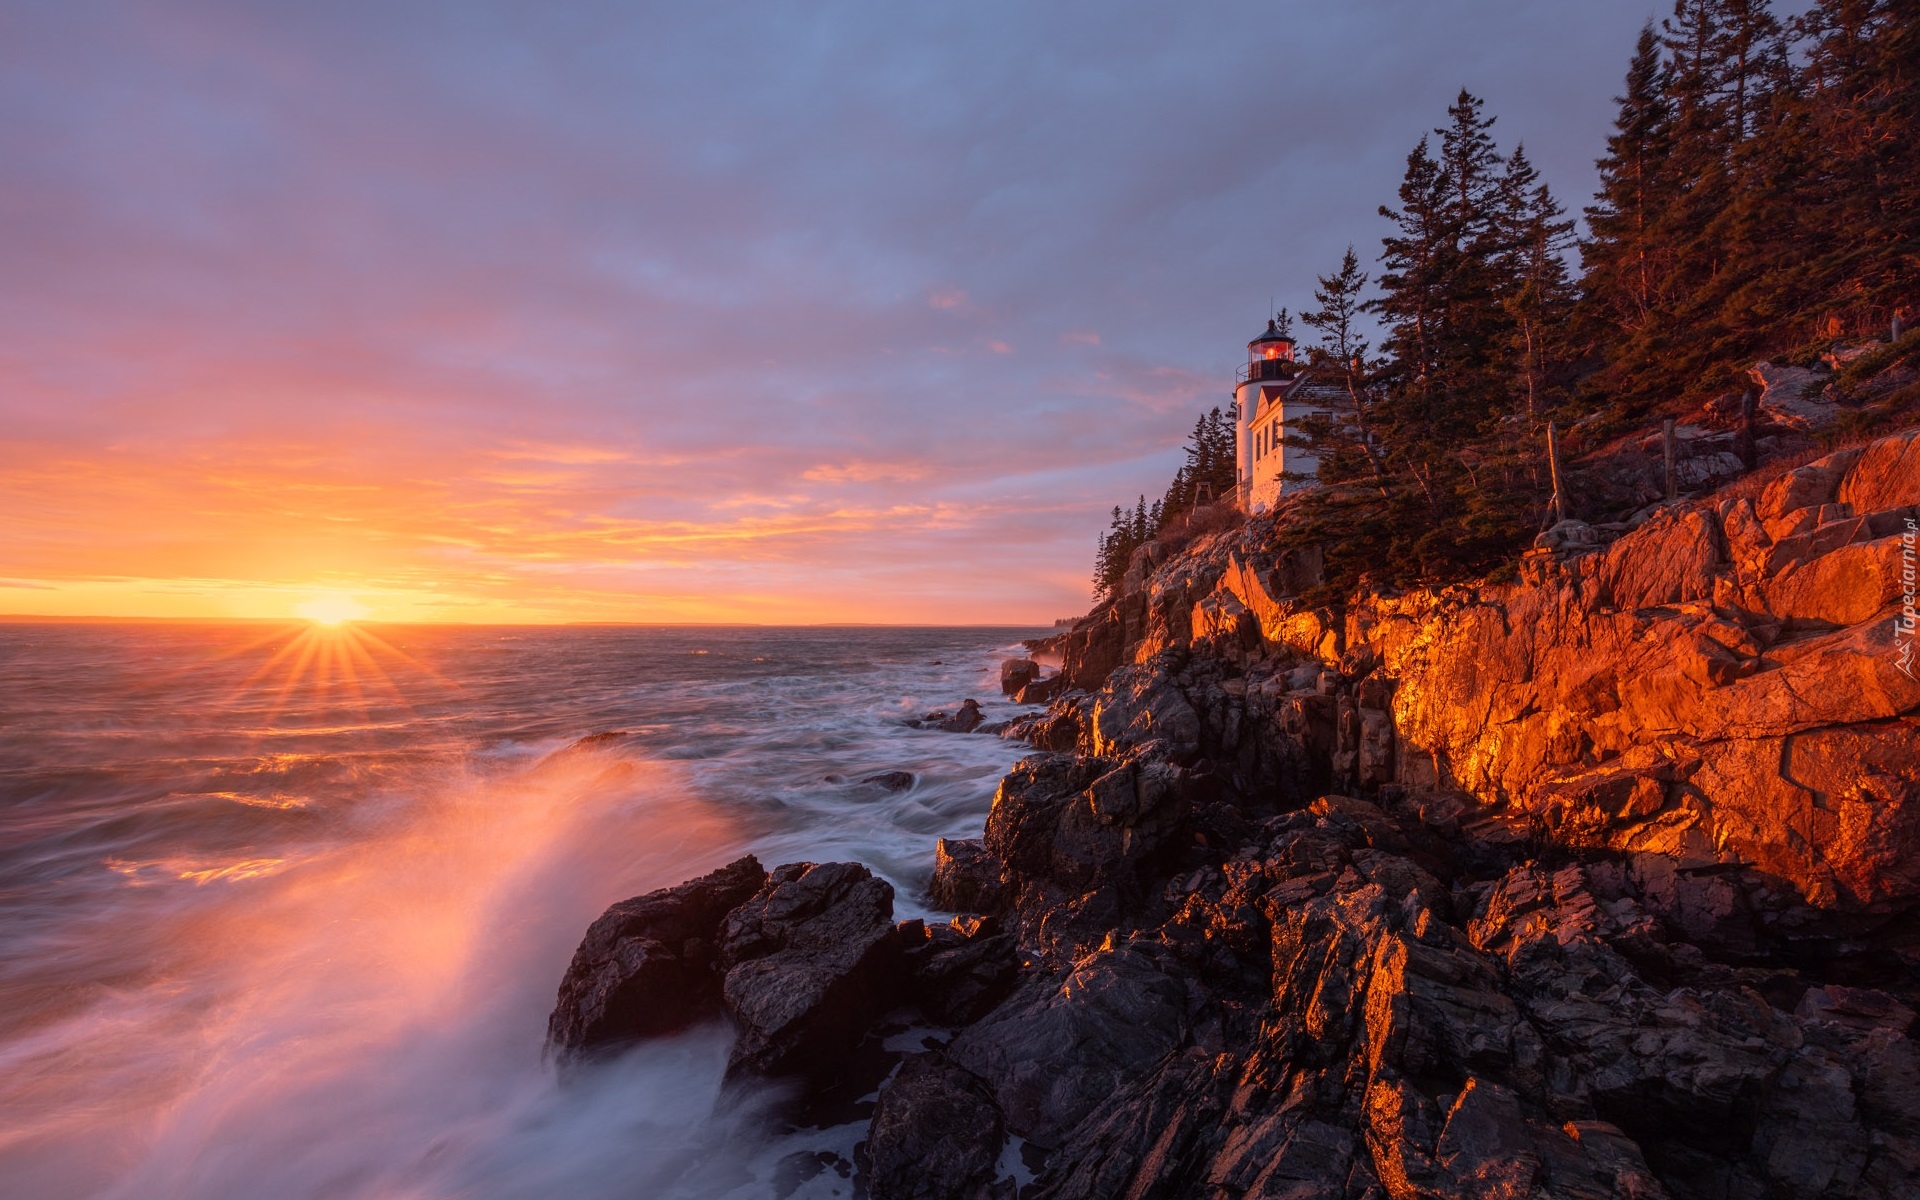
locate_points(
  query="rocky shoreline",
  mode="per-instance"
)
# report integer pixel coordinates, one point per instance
(1596, 883)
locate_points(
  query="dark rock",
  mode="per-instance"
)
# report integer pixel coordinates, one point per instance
(936, 1135)
(810, 960)
(1066, 826)
(1042, 691)
(1058, 729)
(966, 720)
(962, 969)
(1097, 642)
(1141, 704)
(892, 781)
(966, 878)
(648, 966)
(1858, 1008)
(1057, 1049)
(1016, 673)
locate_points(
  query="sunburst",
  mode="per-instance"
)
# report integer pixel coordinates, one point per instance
(335, 661)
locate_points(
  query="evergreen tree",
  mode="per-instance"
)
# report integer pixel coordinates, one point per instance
(1619, 258)
(1759, 195)
(1538, 294)
(1347, 437)
(1418, 263)
(1857, 118)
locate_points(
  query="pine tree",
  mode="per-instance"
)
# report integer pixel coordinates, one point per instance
(1538, 295)
(1342, 353)
(1857, 118)
(1619, 258)
(1418, 261)
(1760, 190)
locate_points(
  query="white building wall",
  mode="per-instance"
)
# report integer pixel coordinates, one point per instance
(1244, 399)
(1265, 418)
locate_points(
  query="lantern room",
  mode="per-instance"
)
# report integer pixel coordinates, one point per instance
(1271, 346)
(1269, 356)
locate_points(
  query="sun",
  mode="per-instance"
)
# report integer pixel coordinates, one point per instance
(331, 609)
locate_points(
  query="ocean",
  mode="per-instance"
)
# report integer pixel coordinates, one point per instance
(283, 908)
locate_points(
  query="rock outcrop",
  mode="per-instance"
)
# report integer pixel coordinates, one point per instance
(1599, 882)
(1365, 1000)
(649, 965)
(807, 966)
(936, 1135)
(801, 959)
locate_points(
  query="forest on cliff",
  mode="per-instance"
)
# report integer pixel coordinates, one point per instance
(1759, 198)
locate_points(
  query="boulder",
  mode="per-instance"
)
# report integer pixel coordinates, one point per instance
(649, 965)
(811, 959)
(961, 969)
(1042, 691)
(1140, 704)
(1860, 1008)
(1016, 673)
(1568, 535)
(1885, 475)
(965, 720)
(936, 1135)
(1808, 486)
(1058, 1048)
(1062, 826)
(1704, 469)
(966, 878)
(1790, 396)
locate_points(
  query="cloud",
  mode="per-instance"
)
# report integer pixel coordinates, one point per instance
(525, 303)
(865, 473)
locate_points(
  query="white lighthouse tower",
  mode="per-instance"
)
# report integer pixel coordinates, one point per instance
(1271, 391)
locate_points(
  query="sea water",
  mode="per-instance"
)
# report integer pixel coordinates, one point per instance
(283, 909)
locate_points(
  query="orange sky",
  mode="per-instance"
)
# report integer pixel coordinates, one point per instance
(652, 313)
(506, 533)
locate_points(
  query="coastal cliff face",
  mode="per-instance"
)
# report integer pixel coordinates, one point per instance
(1720, 685)
(1596, 882)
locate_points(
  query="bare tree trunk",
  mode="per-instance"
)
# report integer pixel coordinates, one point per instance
(1667, 443)
(1558, 507)
(1354, 390)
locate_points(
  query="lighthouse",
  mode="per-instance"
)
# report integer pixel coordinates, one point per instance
(1270, 392)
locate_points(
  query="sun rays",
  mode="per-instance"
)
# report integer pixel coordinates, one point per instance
(331, 664)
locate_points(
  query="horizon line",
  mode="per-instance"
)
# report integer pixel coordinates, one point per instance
(54, 619)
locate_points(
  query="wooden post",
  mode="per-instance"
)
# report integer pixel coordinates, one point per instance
(1666, 440)
(1559, 506)
(1743, 445)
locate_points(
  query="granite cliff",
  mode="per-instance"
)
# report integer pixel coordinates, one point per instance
(1596, 881)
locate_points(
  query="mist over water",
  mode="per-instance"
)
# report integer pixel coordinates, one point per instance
(282, 912)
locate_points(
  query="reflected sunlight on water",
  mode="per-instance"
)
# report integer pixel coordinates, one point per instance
(301, 940)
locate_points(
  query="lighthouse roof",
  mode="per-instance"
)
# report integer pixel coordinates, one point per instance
(1271, 334)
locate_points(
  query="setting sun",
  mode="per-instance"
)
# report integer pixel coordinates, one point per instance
(331, 610)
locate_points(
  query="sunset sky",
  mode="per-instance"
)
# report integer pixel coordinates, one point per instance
(677, 312)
